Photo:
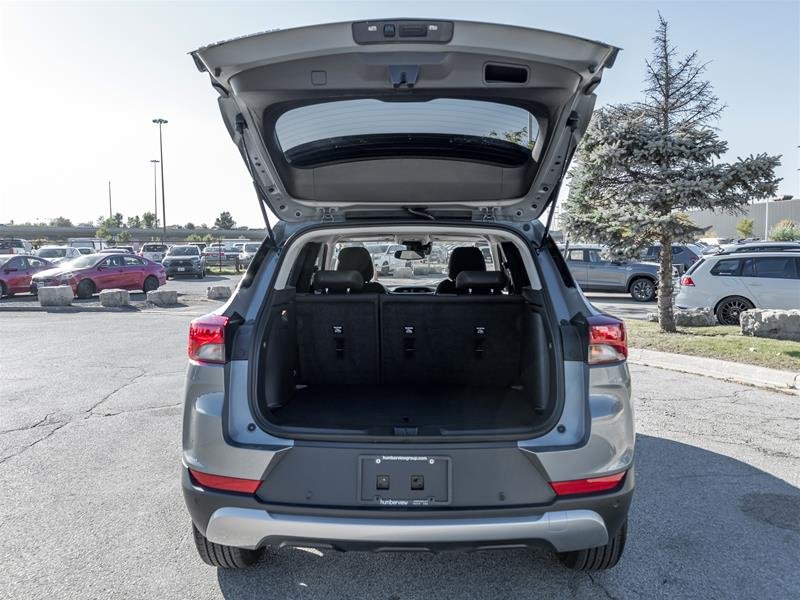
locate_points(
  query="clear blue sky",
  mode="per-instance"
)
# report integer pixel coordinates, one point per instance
(83, 81)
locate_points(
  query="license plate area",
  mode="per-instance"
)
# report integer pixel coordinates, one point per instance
(404, 481)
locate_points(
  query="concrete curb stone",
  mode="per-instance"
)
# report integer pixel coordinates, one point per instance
(785, 381)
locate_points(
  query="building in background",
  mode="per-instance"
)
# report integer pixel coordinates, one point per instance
(724, 224)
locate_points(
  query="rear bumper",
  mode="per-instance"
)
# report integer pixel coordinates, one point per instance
(187, 270)
(564, 525)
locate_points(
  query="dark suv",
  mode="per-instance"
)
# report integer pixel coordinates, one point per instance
(485, 407)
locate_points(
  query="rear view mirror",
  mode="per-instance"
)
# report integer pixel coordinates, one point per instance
(408, 255)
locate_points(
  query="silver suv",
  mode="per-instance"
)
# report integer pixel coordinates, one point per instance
(327, 405)
(595, 272)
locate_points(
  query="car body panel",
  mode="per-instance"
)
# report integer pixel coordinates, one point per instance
(123, 271)
(595, 273)
(259, 76)
(759, 286)
(17, 271)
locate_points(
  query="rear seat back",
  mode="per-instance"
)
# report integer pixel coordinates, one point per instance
(337, 338)
(473, 340)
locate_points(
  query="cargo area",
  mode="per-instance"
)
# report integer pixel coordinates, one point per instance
(407, 364)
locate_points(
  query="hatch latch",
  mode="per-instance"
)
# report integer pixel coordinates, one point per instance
(403, 75)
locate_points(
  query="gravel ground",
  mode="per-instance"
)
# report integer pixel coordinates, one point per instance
(90, 504)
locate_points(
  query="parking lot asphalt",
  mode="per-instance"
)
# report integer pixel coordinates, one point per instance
(90, 504)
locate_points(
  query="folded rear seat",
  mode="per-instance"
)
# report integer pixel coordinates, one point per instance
(473, 338)
(337, 331)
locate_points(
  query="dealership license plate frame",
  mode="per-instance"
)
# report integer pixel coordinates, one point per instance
(400, 468)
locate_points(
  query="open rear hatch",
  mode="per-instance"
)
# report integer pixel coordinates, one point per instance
(374, 118)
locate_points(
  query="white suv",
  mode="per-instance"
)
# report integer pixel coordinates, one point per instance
(733, 283)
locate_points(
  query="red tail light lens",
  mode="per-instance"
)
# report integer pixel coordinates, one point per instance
(607, 340)
(687, 280)
(587, 486)
(207, 339)
(227, 484)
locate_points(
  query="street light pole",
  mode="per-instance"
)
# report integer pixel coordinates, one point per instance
(161, 122)
(155, 189)
(110, 216)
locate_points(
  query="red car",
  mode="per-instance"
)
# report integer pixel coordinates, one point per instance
(16, 272)
(94, 272)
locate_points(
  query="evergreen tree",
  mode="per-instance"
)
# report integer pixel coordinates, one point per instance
(640, 166)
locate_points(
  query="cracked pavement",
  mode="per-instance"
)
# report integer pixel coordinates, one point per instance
(90, 504)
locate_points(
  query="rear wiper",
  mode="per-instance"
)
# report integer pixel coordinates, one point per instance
(420, 212)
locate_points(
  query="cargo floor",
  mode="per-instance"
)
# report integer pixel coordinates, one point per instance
(435, 410)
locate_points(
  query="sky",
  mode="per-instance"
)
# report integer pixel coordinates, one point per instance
(84, 81)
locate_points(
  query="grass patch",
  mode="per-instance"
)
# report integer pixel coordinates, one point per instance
(224, 270)
(721, 341)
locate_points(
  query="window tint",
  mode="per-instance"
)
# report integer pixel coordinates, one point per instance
(35, 262)
(17, 263)
(594, 256)
(776, 268)
(132, 261)
(676, 250)
(729, 268)
(370, 116)
(575, 255)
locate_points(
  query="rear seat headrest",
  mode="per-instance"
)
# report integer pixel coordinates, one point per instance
(465, 258)
(337, 282)
(356, 258)
(480, 282)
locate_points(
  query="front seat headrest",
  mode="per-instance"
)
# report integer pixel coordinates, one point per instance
(480, 282)
(356, 258)
(337, 282)
(465, 258)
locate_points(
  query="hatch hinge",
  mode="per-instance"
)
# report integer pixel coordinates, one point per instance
(330, 215)
(487, 214)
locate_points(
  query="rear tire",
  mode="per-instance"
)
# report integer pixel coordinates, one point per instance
(730, 309)
(600, 558)
(642, 289)
(225, 557)
(150, 284)
(86, 289)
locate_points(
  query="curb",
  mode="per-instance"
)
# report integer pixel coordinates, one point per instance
(68, 309)
(774, 379)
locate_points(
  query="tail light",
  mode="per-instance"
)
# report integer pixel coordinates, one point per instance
(607, 340)
(588, 486)
(687, 280)
(207, 339)
(227, 484)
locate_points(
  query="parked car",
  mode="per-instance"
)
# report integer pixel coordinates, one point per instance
(15, 246)
(594, 272)
(683, 255)
(248, 252)
(57, 254)
(96, 272)
(384, 258)
(732, 283)
(153, 251)
(320, 409)
(16, 272)
(219, 251)
(760, 247)
(117, 250)
(184, 260)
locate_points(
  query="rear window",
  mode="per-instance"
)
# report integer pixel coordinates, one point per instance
(729, 268)
(52, 252)
(154, 248)
(361, 117)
